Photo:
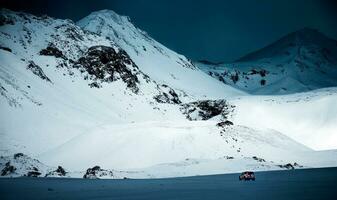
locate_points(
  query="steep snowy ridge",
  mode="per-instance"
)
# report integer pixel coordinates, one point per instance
(303, 38)
(154, 59)
(88, 84)
(102, 92)
(301, 61)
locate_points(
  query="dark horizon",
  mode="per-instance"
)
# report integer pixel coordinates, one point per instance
(219, 31)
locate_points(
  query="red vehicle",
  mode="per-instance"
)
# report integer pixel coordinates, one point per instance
(247, 176)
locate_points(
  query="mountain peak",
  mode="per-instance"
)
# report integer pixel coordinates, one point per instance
(307, 30)
(305, 37)
(108, 16)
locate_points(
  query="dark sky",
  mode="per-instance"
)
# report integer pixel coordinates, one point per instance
(216, 30)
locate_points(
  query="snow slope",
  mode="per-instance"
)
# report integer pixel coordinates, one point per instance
(300, 61)
(140, 145)
(154, 59)
(102, 92)
(308, 117)
(54, 109)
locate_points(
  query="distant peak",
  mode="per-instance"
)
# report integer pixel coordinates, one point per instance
(308, 33)
(208, 62)
(300, 38)
(307, 30)
(105, 12)
(308, 36)
(107, 15)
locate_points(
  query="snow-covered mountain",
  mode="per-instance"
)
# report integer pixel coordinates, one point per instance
(102, 92)
(300, 61)
(159, 62)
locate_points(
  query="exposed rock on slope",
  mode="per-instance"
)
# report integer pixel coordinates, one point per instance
(97, 172)
(51, 50)
(105, 64)
(204, 110)
(21, 165)
(152, 106)
(37, 71)
(154, 59)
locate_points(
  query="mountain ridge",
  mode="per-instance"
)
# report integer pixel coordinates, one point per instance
(105, 93)
(301, 37)
(300, 61)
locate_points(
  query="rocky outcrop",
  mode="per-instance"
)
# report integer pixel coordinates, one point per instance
(167, 95)
(225, 123)
(107, 64)
(6, 49)
(258, 159)
(206, 109)
(52, 50)
(34, 173)
(8, 169)
(21, 165)
(37, 71)
(59, 172)
(4, 20)
(97, 172)
(290, 166)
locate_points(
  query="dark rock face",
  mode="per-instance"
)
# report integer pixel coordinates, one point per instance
(91, 172)
(287, 166)
(51, 50)
(263, 82)
(33, 174)
(60, 171)
(37, 71)
(97, 172)
(105, 64)
(220, 78)
(261, 72)
(5, 20)
(8, 169)
(225, 123)
(6, 49)
(258, 159)
(235, 77)
(18, 155)
(167, 97)
(206, 109)
(207, 62)
(297, 165)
